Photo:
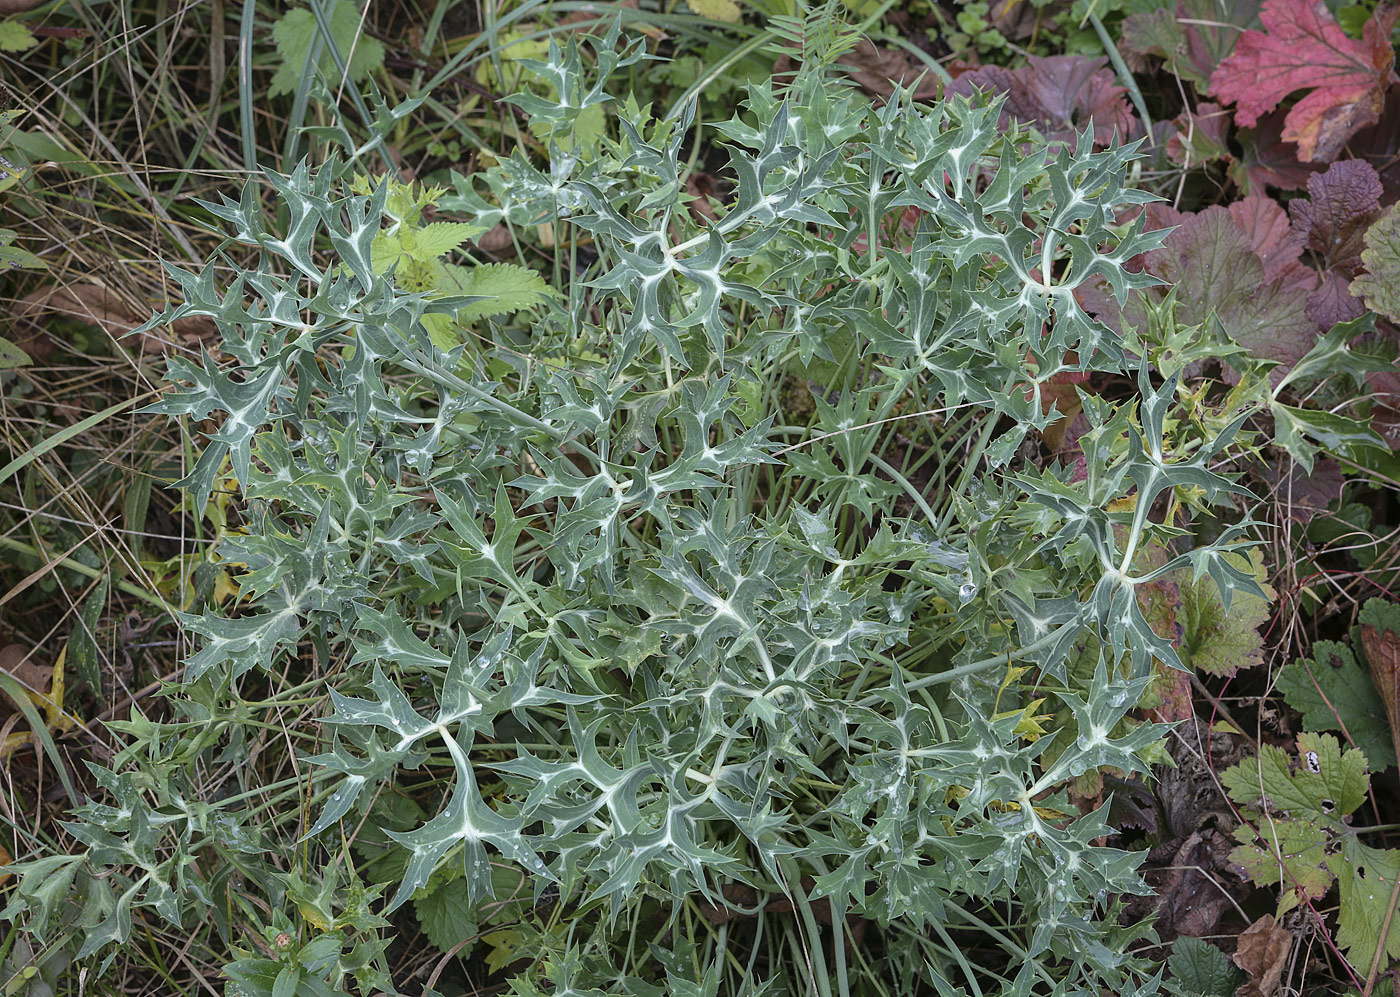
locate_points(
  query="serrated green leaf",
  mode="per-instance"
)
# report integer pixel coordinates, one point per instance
(1334, 692)
(445, 914)
(1321, 781)
(438, 239)
(1201, 968)
(1217, 640)
(1366, 879)
(1290, 854)
(1379, 286)
(295, 33)
(1304, 839)
(15, 36)
(506, 287)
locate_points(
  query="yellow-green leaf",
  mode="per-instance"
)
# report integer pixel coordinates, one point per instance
(716, 10)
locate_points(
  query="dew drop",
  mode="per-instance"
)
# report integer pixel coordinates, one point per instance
(335, 796)
(967, 591)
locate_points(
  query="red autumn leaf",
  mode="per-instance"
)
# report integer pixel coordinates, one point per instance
(1061, 95)
(1303, 48)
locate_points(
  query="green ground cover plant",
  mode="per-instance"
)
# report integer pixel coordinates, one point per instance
(734, 516)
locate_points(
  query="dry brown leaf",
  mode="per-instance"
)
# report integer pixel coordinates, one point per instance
(876, 69)
(1383, 655)
(45, 685)
(97, 305)
(1191, 898)
(494, 239)
(19, 660)
(701, 187)
(1262, 952)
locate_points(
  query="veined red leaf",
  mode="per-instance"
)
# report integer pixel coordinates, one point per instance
(1303, 48)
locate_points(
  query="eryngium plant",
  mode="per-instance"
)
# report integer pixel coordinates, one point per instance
(711, 694)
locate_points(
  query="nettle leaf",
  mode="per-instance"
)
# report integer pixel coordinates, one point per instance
(438, 239)
(1201, 968)
(302, 46)
(504, 288)
(1303, 48)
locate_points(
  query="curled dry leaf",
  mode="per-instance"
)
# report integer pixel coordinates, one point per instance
(1262, 952)
(1380, 636)
(1191, 879)
(95, 305)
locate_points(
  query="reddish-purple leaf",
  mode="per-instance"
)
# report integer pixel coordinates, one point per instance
(1267, 160)
(1265, 224)
(1379, 145)
(1200, 136)
(1061, 95)
(1239, 264)
(1332, 301)
(1332, 220)
(1303, 48)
